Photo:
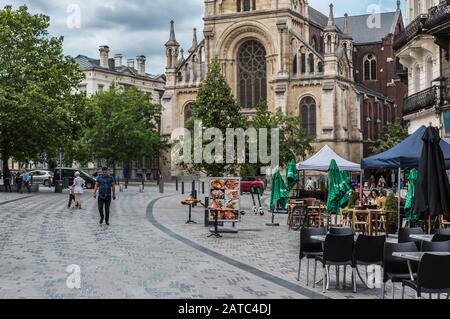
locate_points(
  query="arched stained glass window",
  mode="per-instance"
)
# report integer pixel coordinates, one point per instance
(308, 115)
(252, 74)
(187, 113)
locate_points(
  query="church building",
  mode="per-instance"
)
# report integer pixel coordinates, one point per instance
(307, 64)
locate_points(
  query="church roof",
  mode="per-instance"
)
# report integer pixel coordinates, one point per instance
(358, 26)
(365, 90)
(362, 32)
(317, 17)
(88, 63)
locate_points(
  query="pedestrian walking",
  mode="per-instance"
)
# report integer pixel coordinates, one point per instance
(106, 193)
(78, 184)
(18, 181)
(7, 181)
(26, 178)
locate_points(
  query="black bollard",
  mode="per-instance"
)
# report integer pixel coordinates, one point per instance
(176, 184)
(207, 224)
(182, 187)
(203, 188)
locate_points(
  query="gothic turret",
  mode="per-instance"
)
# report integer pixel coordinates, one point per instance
(172, 48)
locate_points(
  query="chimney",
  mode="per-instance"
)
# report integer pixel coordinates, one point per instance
(141, 65)
(104, 56)
(130, 63)
(118, 60)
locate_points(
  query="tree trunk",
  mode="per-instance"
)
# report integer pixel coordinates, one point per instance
(5, 159)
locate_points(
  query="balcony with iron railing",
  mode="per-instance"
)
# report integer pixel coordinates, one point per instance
(439, 16)
(421, 101)
(414, 29)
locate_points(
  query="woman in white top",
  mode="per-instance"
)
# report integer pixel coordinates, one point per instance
(78, 184)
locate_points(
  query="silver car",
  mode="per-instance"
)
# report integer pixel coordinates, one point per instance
(42, 177)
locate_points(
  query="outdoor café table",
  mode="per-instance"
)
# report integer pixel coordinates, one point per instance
(364, 213)
(376, 214)
(427, 238)
(416, 256)
(315, 212)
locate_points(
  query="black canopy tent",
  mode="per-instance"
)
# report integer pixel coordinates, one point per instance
(405, 155)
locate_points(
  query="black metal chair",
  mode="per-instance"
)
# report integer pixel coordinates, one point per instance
(338, 251)
(405, 233)
(341, 231)
(444, 231)
(368, 251)
(438, 238)
(433, 276)
(396, 269)
(309, 248)
(441, 246)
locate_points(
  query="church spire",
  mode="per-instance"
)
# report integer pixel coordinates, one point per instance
(194, 41)
(172, 39)
(346, 27)
(399, 4)
(331, 25)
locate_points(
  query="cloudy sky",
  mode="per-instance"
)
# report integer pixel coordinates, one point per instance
(135, 27)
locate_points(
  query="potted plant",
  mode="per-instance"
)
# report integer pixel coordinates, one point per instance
(391, 206)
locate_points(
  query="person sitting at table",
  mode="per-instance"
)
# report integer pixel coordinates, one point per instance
(381, 201)
(374, 197)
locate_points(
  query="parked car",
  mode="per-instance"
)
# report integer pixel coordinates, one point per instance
(42, 177)
(256, 183)
(69, 173)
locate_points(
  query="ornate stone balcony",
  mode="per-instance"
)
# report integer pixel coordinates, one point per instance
(414, 29)
(439, 17)
(422, 100)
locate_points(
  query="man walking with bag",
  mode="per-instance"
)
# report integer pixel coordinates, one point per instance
(106, 193)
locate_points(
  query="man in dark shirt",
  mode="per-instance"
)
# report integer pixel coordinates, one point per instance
(106, 193)
(7, 181)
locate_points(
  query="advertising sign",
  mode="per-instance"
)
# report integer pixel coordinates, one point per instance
(227, 194)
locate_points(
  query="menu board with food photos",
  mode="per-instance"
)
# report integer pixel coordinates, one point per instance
(227, 194)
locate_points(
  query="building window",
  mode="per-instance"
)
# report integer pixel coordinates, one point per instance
(303, 63)
(311, 63)
(314, 43)
(370, 68)
(294, 65)
(429, 71)
(187, 113)
(100, 88)
(83, 88)
(308, 115)
(245, 5)
(187, 75)
(447, 123)
(417, 78)
(320, 67)
(252, 74)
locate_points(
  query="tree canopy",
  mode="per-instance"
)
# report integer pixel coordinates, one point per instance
(122, 126)
(40, 111)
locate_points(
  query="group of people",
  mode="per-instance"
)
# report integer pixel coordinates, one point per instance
(104, 192)
(22, 180)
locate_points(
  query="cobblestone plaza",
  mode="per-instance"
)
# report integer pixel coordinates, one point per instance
(148, 252)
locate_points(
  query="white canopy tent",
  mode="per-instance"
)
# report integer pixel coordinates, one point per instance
(322, 160)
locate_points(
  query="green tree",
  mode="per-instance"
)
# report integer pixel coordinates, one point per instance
(216, 107)
(295, 142)
(39, 111)
(393, 134)
(122, 127)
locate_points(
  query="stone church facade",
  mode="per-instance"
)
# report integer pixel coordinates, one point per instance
(287, 53)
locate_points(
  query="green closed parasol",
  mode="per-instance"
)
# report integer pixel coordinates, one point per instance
(410, 216)
(280, 194)
(292, 175)
(334, 197)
